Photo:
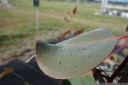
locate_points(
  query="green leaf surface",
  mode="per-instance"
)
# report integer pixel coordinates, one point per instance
(83, 80)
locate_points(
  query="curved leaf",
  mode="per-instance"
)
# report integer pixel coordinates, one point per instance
(83, 80)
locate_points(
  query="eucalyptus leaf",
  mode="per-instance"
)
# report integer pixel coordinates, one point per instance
(83, 80)
(78, 55)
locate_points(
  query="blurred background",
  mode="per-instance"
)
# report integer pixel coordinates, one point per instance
(18, 33)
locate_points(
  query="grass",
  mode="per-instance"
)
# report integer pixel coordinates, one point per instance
(17, 25)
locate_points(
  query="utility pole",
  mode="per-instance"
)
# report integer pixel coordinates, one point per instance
(36, 5)
(104, 4)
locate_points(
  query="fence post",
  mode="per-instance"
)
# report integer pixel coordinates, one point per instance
(36, 5)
